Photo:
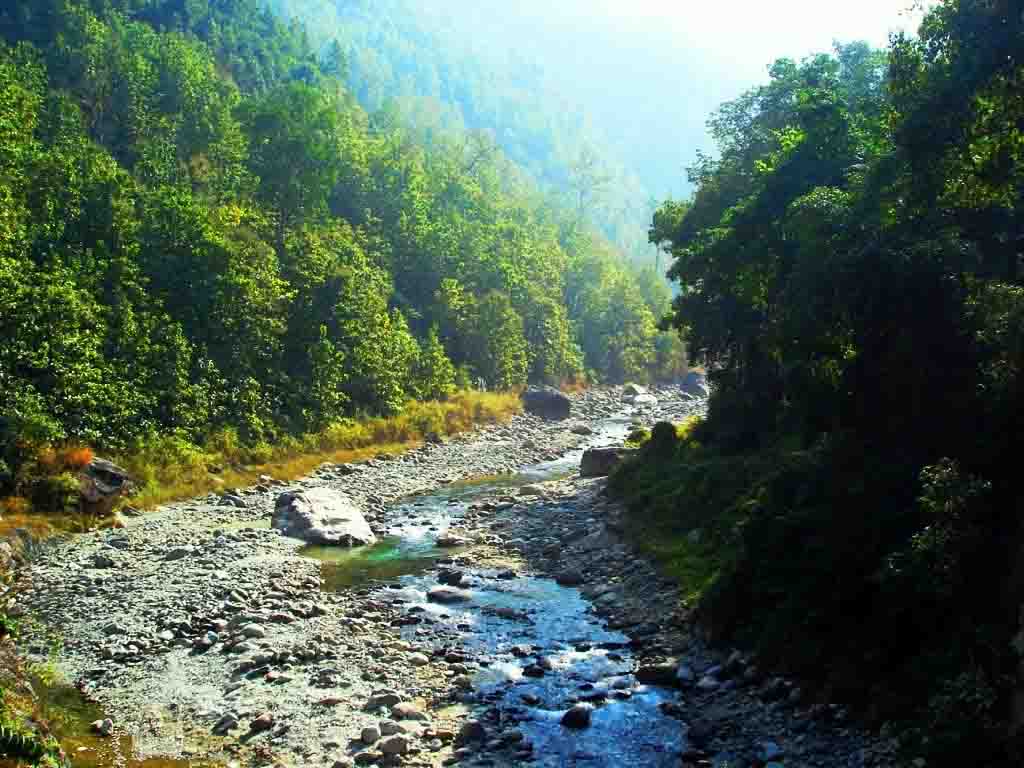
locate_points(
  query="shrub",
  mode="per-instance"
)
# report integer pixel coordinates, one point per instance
(57, 494)
(664, 439)
(638, 436)
(75, 458)
(15, 506)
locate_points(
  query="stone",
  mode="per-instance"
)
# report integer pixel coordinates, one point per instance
(103, 727)
(578, 716)
(450, 577)
(407, 711)
(600, 462)
(546, 402)
(531, 490)
(471, 731)
(708, 683)
(769, 751)
(419, 659)
(321, 516)
(228, 722)
(645, 401)
(450, 541)
(394, 745)
(100, 560)
(447, 595)
(569, 578)
(632, 390)
(100, 484)
(179, 553)
(663, 673)
(582, 429)
(383, 699)
(370, 735)
(253, 631)
(7, 558)
(390, 728)
(685, 675)
(262, 723)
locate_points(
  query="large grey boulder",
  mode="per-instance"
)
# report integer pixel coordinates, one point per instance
(321, 516)
(599, 462)
(696, 384)
(546, 402)
(101, 483)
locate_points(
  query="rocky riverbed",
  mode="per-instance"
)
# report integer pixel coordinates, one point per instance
(497, 621)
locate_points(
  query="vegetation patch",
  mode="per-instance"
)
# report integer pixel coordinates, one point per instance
(166, 468)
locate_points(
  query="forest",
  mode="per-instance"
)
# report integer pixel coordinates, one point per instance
(850, 273)
(205, 236)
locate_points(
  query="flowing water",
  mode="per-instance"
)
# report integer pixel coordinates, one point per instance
(518, 628)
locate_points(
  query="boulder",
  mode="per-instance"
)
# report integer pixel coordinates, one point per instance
(632, 390)
(599, 462)
(101, 483)
(321, 516)
(645, 401)
(546, 402)
(695, 384)
(663, 673)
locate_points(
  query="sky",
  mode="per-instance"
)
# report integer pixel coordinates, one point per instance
(748, 34)
(650, 72)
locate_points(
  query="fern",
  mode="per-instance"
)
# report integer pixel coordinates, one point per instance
(19, 744)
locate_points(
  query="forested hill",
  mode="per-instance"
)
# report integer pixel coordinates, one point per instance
(201, 230)
(442, 69)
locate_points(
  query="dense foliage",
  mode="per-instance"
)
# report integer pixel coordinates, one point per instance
(850, 273)
(201, 231)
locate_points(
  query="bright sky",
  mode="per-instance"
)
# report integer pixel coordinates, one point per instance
(751, 33)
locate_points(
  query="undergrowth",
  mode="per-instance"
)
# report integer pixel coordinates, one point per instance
(25, 739)
(167, 467)
(869, 579)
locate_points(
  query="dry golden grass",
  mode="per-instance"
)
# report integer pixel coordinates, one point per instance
(574, 386)
(348, 441)
(168, 469)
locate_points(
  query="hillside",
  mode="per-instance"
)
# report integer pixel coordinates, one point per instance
(456, 70)
(205, 238)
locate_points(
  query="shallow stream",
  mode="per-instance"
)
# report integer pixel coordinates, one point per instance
(539, 646)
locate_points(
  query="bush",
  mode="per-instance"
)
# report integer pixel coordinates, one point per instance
(57, 494)
(664, 439)
(638, 436)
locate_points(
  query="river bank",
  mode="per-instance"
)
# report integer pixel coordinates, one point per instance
(204, 634)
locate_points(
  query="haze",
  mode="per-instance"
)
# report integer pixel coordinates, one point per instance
(636, 65)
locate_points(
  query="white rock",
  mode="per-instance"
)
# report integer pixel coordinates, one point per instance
(321, 516)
